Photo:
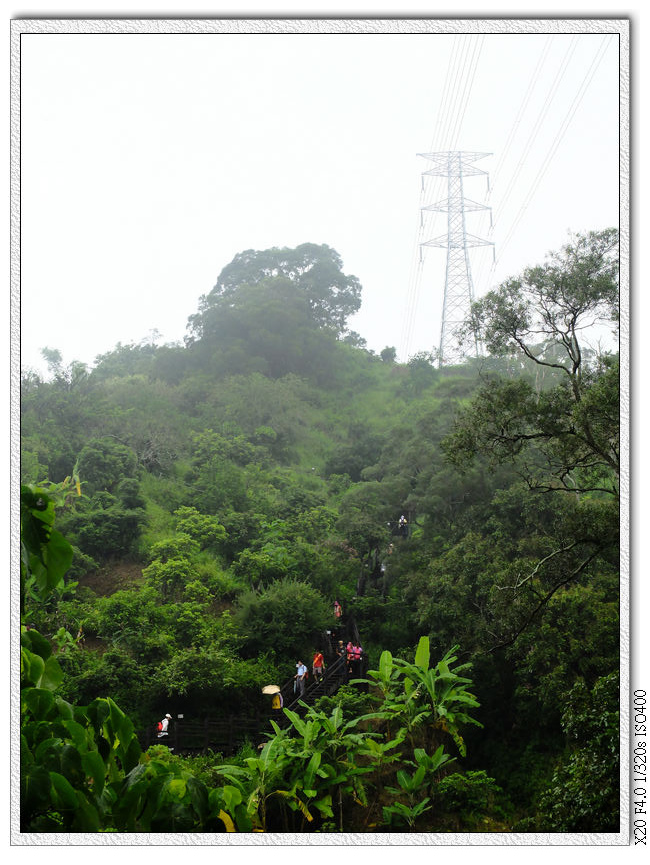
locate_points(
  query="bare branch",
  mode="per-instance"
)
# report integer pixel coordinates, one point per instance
(576, 573)
(539, 564)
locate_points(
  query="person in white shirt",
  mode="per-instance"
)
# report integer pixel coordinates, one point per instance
(300, 677)
(164, 726)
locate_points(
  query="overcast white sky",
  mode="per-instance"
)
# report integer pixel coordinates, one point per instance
(149, 160)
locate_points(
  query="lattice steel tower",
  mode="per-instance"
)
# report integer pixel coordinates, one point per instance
(459, 290)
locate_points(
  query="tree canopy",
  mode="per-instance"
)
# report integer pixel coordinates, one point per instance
(315, 270)
(570, 417)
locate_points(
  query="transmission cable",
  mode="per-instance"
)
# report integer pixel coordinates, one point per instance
(586, 81)
(522, 108)
(469, 83)
(540, 119)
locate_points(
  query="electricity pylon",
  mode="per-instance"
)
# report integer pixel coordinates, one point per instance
(459, 290)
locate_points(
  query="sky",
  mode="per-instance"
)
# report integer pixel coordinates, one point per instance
(148, 161)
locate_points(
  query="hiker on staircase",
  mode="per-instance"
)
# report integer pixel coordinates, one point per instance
(301, 678)
(277, 702)
(349, 654)
(357, 655)
(317, 666)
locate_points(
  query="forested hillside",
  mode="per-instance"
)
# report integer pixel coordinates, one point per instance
(219, 496)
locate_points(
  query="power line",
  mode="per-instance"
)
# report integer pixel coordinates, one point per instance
(482, 258)
(586, 81)
(468, 88)
(522, 109)
(540, 119)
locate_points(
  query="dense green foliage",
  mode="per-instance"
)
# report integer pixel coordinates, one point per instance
(213, 499)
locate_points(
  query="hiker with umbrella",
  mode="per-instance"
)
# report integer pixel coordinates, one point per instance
(277, 702)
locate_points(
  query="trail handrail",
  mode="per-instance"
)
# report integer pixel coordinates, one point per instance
(334, 670)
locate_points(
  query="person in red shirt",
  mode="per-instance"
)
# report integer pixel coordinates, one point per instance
(317, 666)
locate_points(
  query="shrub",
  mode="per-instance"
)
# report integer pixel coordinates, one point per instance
(584, 792)
(353, 702)
(103, 463)
(286, 617)
(468, 801)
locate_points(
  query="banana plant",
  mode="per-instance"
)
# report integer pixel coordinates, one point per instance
(410, 787)
(260, 779)
(442, 689)
(432, 762)
(418, 695)
(325, 760)
(386, 683)
(382, 755)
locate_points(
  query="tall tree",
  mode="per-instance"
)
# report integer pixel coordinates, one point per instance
(314, 269)
(561, 435)
(568, 425)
